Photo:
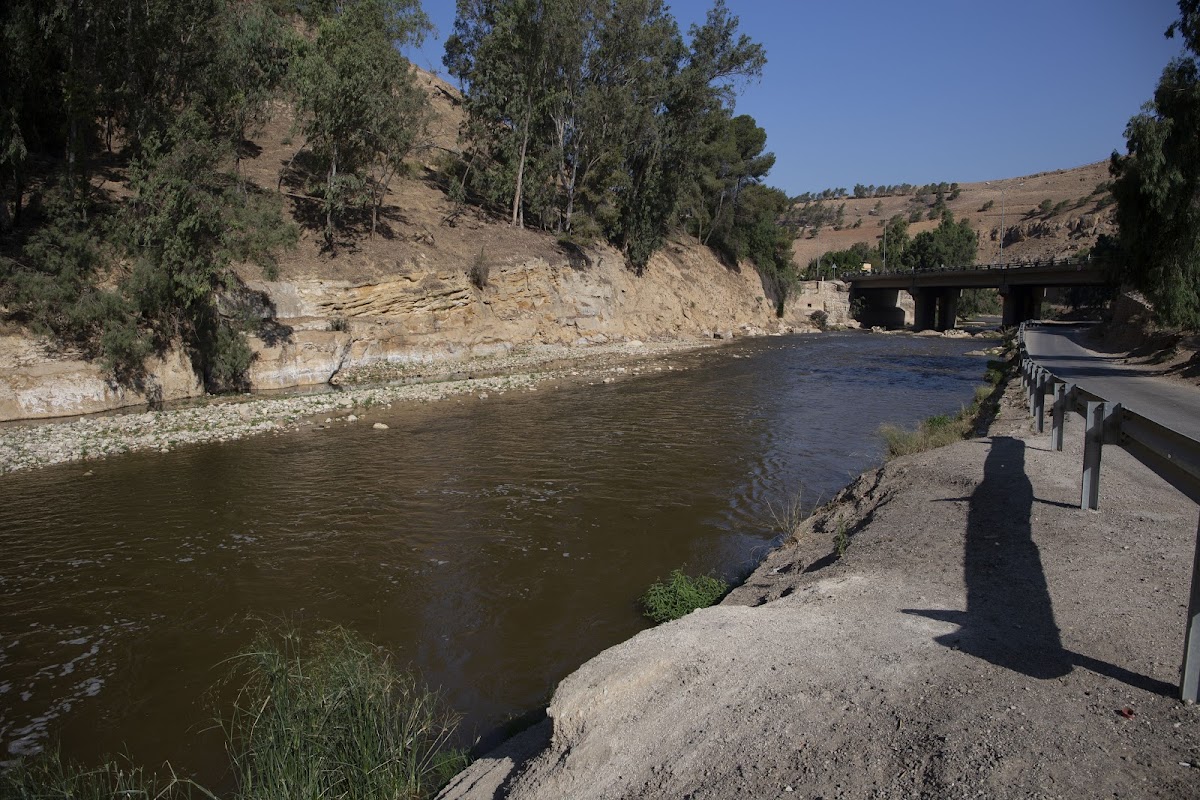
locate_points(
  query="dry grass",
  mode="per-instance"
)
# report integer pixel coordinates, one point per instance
(1020, 194)
(939, 430)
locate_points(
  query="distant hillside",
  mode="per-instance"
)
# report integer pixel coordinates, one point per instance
(1079, 212)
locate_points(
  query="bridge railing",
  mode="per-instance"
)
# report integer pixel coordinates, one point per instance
(1004, 266)
(1171, 455)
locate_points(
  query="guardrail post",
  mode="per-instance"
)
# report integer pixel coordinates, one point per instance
(1189, 686)
(1039, 399)
(1093, 444)
(1034, 371)
(1103, 422)
(1062, 395)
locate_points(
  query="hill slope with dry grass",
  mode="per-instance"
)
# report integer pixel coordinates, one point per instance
(1079, 203)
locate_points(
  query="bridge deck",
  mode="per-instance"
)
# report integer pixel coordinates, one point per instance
(1067, 272)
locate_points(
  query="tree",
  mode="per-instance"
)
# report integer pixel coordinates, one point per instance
(592, 117)
(1157, 185)
(170, 90)
(186, 223)
(354, 97)
(731, 158)
(501, 55)
(950, 244)
(248, 66)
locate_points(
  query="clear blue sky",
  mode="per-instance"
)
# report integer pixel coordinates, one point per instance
(878, 91)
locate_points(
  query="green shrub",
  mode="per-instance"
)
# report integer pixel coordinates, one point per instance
(229, 360)
(939, 421)
(841, 540)
(681, 595)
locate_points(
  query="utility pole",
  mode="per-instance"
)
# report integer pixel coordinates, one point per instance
(1003, 193)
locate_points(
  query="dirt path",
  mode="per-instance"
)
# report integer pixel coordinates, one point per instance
(981, 637)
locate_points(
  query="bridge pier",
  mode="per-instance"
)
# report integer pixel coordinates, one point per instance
(878, 307)
(1021, 303)
(936, 308)
(948, 309)
(925, 313)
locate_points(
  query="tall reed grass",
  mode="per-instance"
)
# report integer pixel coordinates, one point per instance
(339, 720)
(330, 718)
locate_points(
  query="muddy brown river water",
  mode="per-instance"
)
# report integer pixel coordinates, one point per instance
(493, 545)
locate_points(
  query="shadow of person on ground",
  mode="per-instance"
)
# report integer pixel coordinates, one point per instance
(1009, 619)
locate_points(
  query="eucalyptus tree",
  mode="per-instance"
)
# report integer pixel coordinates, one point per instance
(355, 99)
(247, 68)
(594, 115)
(1157, 186)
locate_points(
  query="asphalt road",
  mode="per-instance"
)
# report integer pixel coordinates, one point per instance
(1170, 403)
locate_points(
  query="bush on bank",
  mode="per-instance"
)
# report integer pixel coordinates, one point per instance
(330, 718)
(681, 595)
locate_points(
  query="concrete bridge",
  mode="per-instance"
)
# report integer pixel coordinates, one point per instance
(936, 291)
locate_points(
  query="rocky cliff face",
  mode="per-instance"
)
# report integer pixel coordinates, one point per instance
(312, 328)
(424, 315)
(37, 382)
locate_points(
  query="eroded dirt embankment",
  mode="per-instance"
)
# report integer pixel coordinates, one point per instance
(981, 637)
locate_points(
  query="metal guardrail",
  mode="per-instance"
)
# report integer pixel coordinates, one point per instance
(1171, 455)
(1004, 266)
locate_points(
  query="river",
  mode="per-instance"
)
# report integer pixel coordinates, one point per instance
(493, 545)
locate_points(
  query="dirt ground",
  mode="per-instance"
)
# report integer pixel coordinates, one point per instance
(981, 636)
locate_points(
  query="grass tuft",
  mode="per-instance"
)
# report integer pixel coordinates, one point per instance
(339, 720)
(681, 595)
(47, 776)
(937, 431)
(334, 719)
(787, 516)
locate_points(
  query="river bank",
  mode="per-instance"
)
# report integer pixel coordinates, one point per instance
(981, 636)
(35, 444)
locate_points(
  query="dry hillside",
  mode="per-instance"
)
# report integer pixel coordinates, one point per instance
(1029, 236)
(419, 224)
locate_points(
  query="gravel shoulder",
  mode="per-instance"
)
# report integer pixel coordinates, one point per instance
(37, 444)
(980, 637)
